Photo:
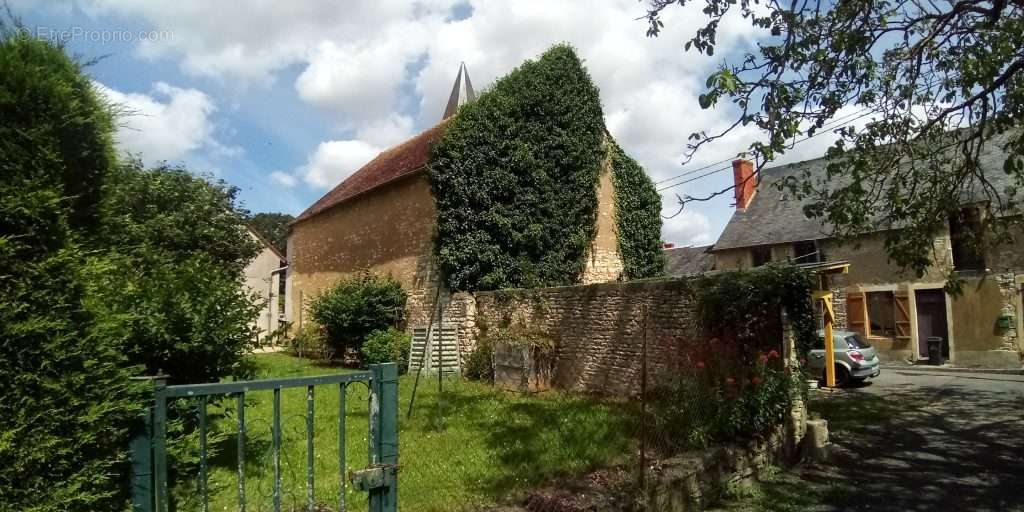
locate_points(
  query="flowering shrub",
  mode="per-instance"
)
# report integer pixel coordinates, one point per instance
(721, 396)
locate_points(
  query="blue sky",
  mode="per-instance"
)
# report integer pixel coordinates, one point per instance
(284, 100)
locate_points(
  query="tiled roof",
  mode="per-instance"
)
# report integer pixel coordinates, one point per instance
(687, 261)
(774, 216)
(401, 160)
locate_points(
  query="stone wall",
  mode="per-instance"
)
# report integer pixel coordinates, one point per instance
(599, 330)
(389, 230)
(603, 260)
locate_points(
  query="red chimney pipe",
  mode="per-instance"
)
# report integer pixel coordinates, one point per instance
(746, 183)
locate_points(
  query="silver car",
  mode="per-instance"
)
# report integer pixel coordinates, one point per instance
(856, 359)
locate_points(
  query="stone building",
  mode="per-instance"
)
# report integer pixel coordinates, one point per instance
(896, 310)
(263, 277)
(383, 218)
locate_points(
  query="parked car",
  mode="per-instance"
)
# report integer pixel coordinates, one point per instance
(856, 359)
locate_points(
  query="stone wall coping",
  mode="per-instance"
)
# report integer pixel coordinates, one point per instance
(660, 283)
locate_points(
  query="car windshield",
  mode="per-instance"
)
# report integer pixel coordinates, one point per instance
(856, 341)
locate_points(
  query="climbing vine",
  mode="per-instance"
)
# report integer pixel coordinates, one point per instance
(637, 217)
(745, 305)
(515, 180)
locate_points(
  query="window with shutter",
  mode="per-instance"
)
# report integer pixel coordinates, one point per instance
(902, 314)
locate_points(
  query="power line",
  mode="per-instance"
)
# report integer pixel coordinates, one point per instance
(709, 173)
(823, 131)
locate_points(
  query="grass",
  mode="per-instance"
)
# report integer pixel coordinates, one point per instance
(472, 448)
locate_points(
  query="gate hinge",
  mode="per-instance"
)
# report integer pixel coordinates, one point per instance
(374, 477)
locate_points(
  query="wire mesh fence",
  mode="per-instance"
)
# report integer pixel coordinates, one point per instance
(471, 445)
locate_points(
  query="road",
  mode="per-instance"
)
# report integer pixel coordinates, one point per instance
(913, 440)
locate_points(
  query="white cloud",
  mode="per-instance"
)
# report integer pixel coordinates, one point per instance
(335, 160)
(284, 179)
(168, 124)
(688, 228)
(384, 68)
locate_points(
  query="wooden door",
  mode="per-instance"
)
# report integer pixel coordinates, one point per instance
(931, 320)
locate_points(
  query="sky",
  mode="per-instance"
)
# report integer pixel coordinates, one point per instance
(284, 100)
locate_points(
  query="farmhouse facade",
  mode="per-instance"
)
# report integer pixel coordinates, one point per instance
(383, 218)
(263, 277)
(896, 310)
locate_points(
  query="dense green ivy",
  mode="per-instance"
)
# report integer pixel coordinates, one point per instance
(515, 178)
(637, 217)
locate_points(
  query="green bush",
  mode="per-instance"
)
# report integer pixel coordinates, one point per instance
(721, 398)
(67, 404)
(480, 362)
(356, 306)
(387, 346)
(311, 342)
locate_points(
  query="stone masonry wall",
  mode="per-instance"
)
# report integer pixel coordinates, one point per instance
(604, 263)
(598, 329)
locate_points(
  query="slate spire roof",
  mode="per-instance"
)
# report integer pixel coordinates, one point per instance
(462, 92)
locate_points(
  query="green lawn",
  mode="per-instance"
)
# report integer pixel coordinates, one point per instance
(487, 445)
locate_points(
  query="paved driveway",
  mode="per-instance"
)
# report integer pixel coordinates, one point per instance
(913, 440)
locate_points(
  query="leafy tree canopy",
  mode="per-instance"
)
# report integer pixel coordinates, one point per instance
(179, 244)
(939, 82)
(273, 227)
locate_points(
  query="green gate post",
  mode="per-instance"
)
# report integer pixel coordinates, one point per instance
(384, 435)
(141, 449)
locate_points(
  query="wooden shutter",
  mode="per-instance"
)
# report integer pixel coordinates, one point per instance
(856, 311)
(902, 300)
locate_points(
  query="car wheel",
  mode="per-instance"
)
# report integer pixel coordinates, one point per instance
(842, 376)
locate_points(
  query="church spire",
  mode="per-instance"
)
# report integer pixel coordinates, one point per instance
(460, 94)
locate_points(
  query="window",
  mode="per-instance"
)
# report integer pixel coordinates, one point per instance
(965, 233)
(806, 252)
(882, 313)
(761, 255)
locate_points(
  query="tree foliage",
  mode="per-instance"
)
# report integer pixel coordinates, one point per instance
(273, 227)
(108, 271)
(67, 401)
(637, 217)
(515, 178)
(939, 83)
(178, 244)
(357, 306)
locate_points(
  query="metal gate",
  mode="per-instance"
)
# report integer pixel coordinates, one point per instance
(150, 492)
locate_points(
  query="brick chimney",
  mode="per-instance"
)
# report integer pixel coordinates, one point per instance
(746, 183)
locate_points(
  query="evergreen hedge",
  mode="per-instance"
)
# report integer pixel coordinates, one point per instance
(515, 178)
(66, 401)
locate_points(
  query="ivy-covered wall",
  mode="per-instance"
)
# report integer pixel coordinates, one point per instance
(637, 217)
(515, 182)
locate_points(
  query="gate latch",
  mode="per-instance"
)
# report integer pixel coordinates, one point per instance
(373, 477)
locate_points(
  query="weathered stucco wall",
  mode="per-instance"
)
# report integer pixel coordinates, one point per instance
(258, 280)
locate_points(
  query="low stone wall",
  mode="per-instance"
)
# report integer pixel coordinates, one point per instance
(694, 480)
(599, 330)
